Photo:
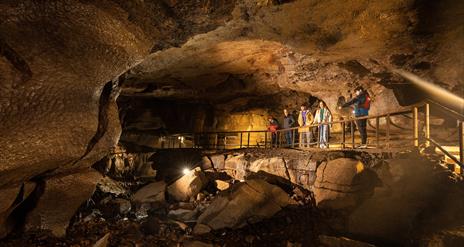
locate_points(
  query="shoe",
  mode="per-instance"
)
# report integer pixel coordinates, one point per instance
(362, 146)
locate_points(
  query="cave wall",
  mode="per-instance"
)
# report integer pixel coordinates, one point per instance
(55, 60)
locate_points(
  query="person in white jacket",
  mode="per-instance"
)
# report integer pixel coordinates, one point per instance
(324, 117)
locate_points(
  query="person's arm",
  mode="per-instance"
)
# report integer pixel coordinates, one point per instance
(351, 102)
(292, 121)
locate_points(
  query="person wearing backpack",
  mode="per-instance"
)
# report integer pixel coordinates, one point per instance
(362, 104)
(273, 127)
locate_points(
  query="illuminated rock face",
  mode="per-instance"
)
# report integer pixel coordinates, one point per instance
(59, 64)
(62, 64)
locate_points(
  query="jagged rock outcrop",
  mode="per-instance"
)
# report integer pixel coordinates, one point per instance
(246, 202)
(151, 193)
(188, 186)
(12, 199)
(342, 183)
(60, 63)
(60, 200)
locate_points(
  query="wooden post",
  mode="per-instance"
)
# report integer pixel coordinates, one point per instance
(427, 124)
(461, 144)
(352, 133)
(265, 139)
(388, 130)
(343, 135)
(248, 145)
(415, 126)
(241, 138)
(377, 130)
(216, 141)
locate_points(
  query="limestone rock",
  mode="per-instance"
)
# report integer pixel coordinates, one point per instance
(200, 229)
(188, 186)
(206, 163)
(218, 161)
(340, 183)
(151, 193)
(7, 198)
(250, 201)
(60, 200)
(183, 214)
(329, 241)
(109, 185)
(196, 244)
(415, 195)
(103, 242)
(274, 165)
(236, 166)
(449, 237)
(221, 185)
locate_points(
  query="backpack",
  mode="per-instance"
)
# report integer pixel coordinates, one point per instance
(367, 102)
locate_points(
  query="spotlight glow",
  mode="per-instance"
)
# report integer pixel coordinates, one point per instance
(186, 171)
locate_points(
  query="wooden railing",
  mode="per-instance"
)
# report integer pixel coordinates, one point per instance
(383, 134)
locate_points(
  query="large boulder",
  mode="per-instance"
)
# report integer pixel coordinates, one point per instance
(60, 200)
(274, 165)
(342, 183)
(416, 195)
(218, 161)
(188, 186)
(249, 201)
(236, 166)
(329, 241)
(448, 237)
(151, 193)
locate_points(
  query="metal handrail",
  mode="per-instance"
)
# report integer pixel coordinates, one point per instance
(436, 144)
(217, 139)
(449, 110)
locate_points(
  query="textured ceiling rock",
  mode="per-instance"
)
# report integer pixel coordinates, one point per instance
(324, 48)
(57, 61)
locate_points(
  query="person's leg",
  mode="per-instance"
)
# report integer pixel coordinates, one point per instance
(320, 136)
(310, 136)
(325, 136)
(288, 137)
(361, 126)
(363, 131)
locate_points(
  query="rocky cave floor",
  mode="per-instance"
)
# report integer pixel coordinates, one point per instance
(214, 206)
(107, 212)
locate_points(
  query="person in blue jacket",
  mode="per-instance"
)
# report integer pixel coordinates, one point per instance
(361, 109)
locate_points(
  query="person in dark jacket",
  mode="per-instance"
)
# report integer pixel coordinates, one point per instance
(289, 121)
(273, 127)
(361, 109)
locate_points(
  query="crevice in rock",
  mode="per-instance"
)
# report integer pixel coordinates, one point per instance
(22, 206)
(16, 60)
(109, 93)
(286, 170)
